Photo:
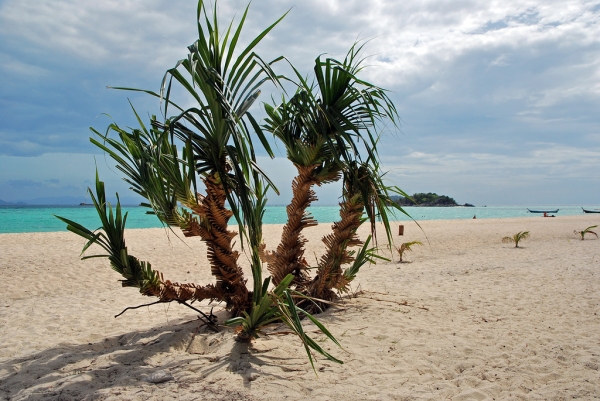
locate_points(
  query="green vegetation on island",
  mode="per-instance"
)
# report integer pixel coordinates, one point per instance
(427, 199)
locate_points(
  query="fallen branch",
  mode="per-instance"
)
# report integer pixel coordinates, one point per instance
(290, 332)
(209, 320)
(403, 303)
(140, 306)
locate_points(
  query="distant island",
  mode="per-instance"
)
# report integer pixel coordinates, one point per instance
(67, 200)
(427, 199)
(4, 203)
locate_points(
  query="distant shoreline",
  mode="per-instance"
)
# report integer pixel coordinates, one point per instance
(40, 218)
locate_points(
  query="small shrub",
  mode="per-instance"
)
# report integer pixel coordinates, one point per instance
(521, 235)
(586, 231)
(405, 247)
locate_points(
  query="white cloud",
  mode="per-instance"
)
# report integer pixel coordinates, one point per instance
(482, 87)
(494, 178)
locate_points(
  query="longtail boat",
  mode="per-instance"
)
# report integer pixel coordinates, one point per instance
(590, 211)
(543, 211)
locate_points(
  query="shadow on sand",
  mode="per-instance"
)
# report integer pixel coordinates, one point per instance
(115, 367)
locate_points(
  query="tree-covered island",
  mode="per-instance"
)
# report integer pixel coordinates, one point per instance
(427, 199)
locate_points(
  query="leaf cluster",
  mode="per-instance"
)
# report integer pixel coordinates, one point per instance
(279, 305)
(136, 273)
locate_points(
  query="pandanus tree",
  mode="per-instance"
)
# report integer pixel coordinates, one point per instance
(329, 131)
(326, 129)
(363, 192)
(224, 82)
(216, 145)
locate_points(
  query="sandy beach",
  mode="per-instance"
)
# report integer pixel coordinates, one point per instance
(467, 318)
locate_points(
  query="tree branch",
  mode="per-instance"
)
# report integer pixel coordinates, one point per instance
(210, 320)
(140, 306)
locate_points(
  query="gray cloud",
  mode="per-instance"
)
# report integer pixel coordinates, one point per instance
(105, 31)
(481, 87)
(24, 184)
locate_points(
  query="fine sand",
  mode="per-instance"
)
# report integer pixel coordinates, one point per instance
(468, 318)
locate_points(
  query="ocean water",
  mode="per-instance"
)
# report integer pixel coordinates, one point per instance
(20, 219)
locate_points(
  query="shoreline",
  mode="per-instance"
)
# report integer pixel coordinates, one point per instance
(326, 217)
(467, 317)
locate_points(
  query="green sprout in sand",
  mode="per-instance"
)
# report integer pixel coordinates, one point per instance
(586, 231)
(521, 235)
(405, 247)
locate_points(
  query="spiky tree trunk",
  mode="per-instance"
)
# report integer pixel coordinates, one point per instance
(151, 282)
(212, 228)
(289, 255)
(170, 291)
(136, 273)
(330, 275)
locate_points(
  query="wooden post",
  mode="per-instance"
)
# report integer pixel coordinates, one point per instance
(400, 229)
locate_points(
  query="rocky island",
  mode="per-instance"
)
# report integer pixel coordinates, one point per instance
(427, 199)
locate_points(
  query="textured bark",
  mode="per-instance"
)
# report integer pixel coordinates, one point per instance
(188, 292)
(289, 255)
(265, 255)
(330, 275)
(212, 228)
(152, 283)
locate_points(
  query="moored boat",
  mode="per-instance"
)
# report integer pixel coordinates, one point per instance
(543, 211)
(590, 211)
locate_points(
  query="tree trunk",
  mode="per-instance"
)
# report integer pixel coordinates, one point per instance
(212, 228)
(188, 292)
(330, 275)
(151, 282)
(289, 255)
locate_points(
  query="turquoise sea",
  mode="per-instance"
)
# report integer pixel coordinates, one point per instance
(20, 219)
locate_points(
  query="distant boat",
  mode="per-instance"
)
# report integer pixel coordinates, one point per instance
(543, 211)
(86, 204)
(590, 211)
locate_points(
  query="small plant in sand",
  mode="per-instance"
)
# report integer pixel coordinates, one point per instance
(521, 235)
(586, 231)
(406, 247)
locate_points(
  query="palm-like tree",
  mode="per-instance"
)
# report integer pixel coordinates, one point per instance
(224, 82)
(588, 230)
(217, 145)
(327, 129)
(521, 235)
(363, 192)
(322, 127)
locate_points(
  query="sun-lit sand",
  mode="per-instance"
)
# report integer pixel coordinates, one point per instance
(468, 318)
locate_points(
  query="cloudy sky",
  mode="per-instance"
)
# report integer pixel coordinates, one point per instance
(500, 101)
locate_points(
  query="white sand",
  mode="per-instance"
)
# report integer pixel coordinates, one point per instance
(483, 321)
